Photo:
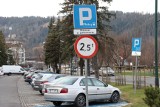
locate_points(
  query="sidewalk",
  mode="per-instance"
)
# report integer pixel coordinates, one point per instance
(28, 96)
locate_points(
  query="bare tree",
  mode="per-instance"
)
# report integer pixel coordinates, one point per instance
(123, 51)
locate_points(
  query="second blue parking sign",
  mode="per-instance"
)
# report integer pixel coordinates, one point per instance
(136, 46)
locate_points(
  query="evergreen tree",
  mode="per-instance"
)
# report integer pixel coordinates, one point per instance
(103, 18)
(52, 47)
(3, 55)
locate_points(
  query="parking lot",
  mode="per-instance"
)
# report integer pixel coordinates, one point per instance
(32, 98)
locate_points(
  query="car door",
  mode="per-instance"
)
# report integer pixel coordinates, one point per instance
(103, 91)
(91, 89)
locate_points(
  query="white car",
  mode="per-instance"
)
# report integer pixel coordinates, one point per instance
(72, 89)
(106, 71)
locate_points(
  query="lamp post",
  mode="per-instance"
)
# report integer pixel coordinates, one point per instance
(156, 46)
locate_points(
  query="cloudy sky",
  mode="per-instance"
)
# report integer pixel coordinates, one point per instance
(46, 8)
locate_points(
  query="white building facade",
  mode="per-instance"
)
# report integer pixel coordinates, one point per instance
(17, 49)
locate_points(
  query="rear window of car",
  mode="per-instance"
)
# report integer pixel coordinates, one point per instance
(83, 82)
(67, 81)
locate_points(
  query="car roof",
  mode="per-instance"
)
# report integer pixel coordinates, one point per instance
(78, 76)
(48, 72)
(54, 75)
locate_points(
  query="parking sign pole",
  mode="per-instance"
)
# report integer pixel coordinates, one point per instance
(85, 46)
(86, 77)
(136, 51)
(135, 85)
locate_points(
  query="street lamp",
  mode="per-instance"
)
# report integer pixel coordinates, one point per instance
(156, 46)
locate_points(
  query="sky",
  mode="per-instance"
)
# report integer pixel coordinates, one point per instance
(45, 8)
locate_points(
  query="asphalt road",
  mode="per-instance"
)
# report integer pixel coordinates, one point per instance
(9, 92)
(129, 80)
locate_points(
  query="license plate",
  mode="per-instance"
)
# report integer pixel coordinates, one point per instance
(53, 90)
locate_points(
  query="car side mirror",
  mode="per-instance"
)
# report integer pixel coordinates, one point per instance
(105, 85)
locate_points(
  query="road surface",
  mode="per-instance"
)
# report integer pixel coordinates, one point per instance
(9, 96)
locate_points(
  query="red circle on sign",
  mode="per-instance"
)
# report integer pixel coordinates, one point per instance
(78, 52)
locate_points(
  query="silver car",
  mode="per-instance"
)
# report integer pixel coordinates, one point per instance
(72, 89)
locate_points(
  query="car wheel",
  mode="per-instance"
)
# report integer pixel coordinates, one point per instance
(40, 91)
(57, 103)
(115, 97)
(9, 74)
(80, 100)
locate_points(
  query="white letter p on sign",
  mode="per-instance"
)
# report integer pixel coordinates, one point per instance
(82, 18)
(136, 42)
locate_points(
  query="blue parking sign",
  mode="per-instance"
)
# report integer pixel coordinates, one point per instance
(85, 16)
(136, 46)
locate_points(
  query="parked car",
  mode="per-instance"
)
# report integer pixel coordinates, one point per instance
(35, 72)
(106, 71)
(35, 77)
(28, 78)
(39, 83)
(13, 69)
(72, 89)
(39, 76)
(41, 80)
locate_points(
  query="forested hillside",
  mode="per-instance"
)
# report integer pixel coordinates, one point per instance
(143, 24)
(33, 30)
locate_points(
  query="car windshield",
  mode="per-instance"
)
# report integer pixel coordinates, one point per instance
(51, 78)
(66, 81)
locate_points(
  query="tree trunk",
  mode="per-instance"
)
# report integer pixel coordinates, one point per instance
(95, 65)
(88, 67)
(81, 64)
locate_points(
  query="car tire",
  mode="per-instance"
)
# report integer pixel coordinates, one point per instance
(80, 100)
(9, 74)
(40, 91)
(57, 103)
(115, 97)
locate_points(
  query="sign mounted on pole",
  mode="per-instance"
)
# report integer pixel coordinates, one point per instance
(85, 31)
(136, 46)
(86, 46)
(85, 16)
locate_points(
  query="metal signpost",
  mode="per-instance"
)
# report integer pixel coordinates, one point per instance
(85, 23)
(136, 51)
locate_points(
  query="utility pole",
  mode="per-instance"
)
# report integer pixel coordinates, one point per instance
(156, 46)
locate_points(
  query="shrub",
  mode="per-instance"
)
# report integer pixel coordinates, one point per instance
(152, 98)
